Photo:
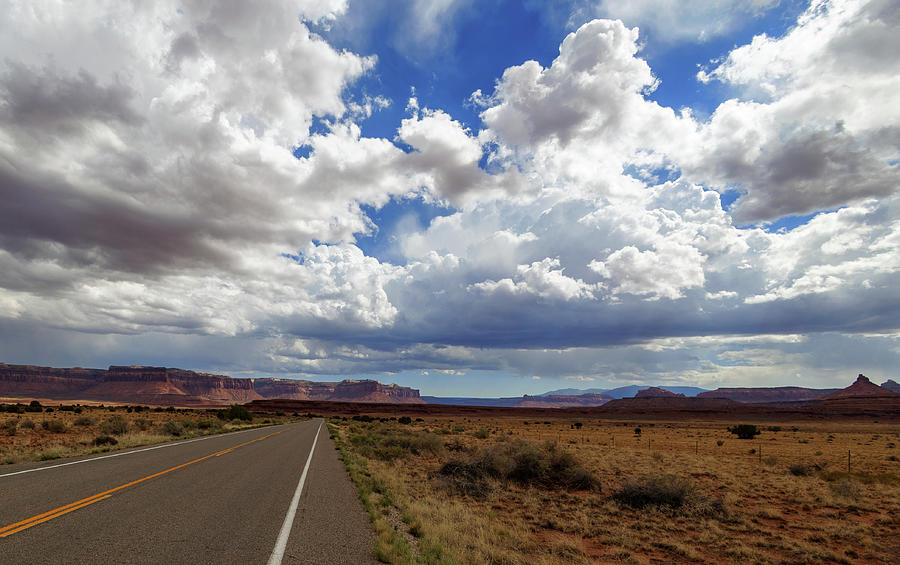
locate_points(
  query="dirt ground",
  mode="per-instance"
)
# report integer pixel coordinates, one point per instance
(786, 496)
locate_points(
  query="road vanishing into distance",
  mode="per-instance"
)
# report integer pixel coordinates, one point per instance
(271, 495)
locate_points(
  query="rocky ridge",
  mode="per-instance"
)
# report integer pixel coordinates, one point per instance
(162, 385)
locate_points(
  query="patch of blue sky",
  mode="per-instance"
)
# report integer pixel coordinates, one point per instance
(653, 175)
(397, 217)
(676, 66)
(487, 37)
(788, 223)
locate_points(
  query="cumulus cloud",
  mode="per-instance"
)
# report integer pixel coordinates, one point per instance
(151, 192)
(816, 127)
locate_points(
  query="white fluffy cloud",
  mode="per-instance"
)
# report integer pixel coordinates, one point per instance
(151, 190)
(817, 125)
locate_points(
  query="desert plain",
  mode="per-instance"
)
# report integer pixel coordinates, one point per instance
(553, 490)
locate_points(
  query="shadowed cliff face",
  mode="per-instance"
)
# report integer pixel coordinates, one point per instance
(160, 385)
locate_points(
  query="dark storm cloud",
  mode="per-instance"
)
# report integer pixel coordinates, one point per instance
(810, 172)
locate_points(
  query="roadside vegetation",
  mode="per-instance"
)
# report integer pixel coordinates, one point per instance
(32, 432)
(504, 490)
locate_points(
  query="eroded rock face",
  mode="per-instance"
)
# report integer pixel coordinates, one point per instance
(656, 391)
(862, 387)
(161, 385)
(768, 394)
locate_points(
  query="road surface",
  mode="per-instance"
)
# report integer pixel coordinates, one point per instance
(232, 498)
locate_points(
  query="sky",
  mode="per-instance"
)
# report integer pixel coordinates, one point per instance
(489, 198)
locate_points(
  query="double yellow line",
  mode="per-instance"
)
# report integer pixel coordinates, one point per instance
(57, 512)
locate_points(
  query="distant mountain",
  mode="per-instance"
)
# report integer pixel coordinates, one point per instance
(526, 401)
(573, 391)
(624, 391)
(656, 391)
(862, 387)
(769, 394)
(890, 385)
(162, 386)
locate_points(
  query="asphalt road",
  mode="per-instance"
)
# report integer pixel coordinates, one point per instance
(222, 499)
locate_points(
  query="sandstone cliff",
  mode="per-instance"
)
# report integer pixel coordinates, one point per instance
(161, 385)
(768, 394)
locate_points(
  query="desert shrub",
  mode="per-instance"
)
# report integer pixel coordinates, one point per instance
(27, 424)
(102, 440)
(845, 489)
(173, 428)
(637, 431)
(525, 463)
(114, 425)
(10, 426)
(745, 431)
(455, 445)
(405, 420)
(84, 421)
(236, 412)
(800, 470)
(770, 460)
(720, 442)
(143, 424)
(482, 433)
(668, 492)
(54, 426)
(34, 406)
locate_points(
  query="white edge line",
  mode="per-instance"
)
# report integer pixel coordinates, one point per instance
(119, 454)
(281, 543)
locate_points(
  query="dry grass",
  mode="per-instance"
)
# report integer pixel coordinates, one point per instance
(42, 436)
(700, 495)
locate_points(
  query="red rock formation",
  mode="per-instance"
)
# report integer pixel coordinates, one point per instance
(768, 394)
(563, 401)
(161, 385)
(656, 391)
(861, 387)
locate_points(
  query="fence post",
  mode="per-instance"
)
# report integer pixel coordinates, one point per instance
(848, 460)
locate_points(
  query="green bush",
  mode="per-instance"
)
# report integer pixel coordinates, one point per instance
(34, 406)
(114, 425)
(404, 420)
(745, 431)
(173, 428)
(236, 412)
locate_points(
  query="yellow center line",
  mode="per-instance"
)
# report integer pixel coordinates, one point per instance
(50, 514)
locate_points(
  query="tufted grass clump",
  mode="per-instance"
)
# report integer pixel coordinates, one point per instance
(528, 464)
(669, 493)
